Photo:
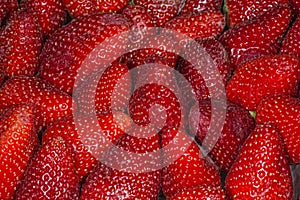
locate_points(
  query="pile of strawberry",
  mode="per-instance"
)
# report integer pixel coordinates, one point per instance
(51, 147)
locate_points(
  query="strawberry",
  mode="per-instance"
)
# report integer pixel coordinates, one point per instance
(17, 144)
(296, 6)
(21, 42)
(160, 11)
(288, 121)
(257, 37)
(51, 174)
(261, 170)
(201, 193)
(2, 76)
(263, 77)
(240, 11)
(198, 6)
(49, 104)
(6, 7)
(291, 42)
(189, 170)
(199, 77)
(88, 7)
(50, 14)
(207, 24)
(237, 126)
(86, 138)
(65, 52)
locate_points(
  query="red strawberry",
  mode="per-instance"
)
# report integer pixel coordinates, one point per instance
(240, 11)
(237, 126)
(161, 11)
(189, 170)
(49, 104)
(21, 42)
(2, 76)
(17, 144)
(284, 112)
(86, 137)
(50, 14)
(257, 37)
(263, 77)
(207, 24)
(296, 6)
(199, 77)
(51, 174)
(198, 6)
(201, 193)
(261, 170)
(67, 49)
(6, 7)
(88, 7)
(291, 42)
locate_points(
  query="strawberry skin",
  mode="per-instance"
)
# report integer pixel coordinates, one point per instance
(198, 6)
(284, 112)
(240, 11)
(22, 42)
(51, 174)
(261, 170)
(6, 7)
(201, 193)
(64, 53)
(88, 7)
(296, 6)
(255, 38)
(291, 42)
(49, 104)
(50, 14)
(263, 77)
(207, 24)
(18, 141)
(236, 128)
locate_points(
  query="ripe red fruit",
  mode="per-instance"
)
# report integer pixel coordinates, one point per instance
(18, 141)
(6, 7)
(87, 7)
(255, 38)
(296, 6)
(207, 24)
(291, 42)
(51, 174)
(64, 53)
(2, 76)
(240, 11)
(201, 193)
(261, 170)
(237, 126)
(49, 104)
(198, 6)
(21, 41)
(50, 14)
(263, 77)
(284, 112)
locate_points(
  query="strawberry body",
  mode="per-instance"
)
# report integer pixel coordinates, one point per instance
(291, 42)
(263, 77)
(6, 7)
(18, 141)
(201, 193)
(288, 121)
(255, 38)
(197, 6)
(51, 174)
(49, 104)
(22, 42)
(261, 170)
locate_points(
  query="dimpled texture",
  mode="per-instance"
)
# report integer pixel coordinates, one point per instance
(236, 128)
(50, 174)
(255, 38)
(263, 77)
(261, 170)
(49, 104)
(197, 6)
(240, 11)
(88, 7)
(7, 6)
(296, 5)
(201, 193)
(283, 111)
(50, 14)
(207, 24)
(21, 41)
(18, 141)
(291, 42)
(64, 53)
